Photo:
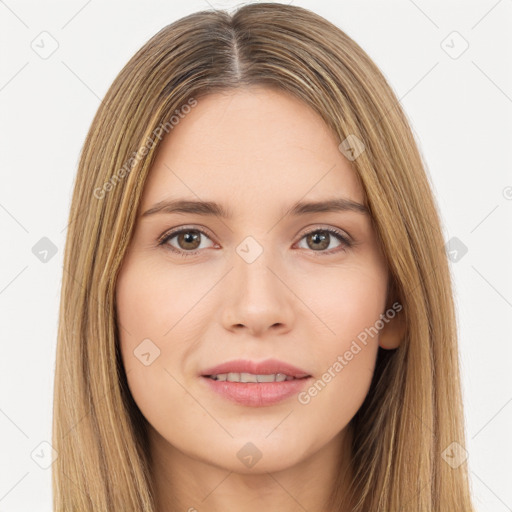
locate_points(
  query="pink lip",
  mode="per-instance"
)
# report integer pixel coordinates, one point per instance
(267, 367)
(257, 394)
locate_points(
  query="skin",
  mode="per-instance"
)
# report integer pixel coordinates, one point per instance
(256, 151)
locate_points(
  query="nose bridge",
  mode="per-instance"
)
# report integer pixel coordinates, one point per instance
(254, 263)
(255, 295)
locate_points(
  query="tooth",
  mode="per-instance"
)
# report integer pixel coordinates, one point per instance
(266, 378)
(248, 377)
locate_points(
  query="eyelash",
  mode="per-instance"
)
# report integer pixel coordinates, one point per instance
(338, 234)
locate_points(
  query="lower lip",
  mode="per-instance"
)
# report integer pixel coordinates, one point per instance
(257, 394)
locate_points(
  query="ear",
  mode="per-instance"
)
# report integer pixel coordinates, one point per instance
(393, 331)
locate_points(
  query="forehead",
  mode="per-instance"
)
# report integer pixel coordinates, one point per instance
(247, 146)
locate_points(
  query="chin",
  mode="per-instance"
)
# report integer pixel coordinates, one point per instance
(257, 455)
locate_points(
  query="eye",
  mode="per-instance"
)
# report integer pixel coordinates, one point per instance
(188, 240)
(320, 239)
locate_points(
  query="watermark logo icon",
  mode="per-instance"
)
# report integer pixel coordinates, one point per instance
(147, 352)
(249, 249)
(44, 250)
(352, 147)
(44, 455)
(249, 454)
(45, 45)
(455, 249)
(454, 45)
(454, 455)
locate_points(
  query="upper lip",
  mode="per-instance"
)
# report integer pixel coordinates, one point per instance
(267, 367)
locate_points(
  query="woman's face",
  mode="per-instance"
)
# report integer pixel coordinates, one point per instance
(267, 282)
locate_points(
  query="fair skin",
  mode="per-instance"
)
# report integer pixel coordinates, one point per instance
(257, 152)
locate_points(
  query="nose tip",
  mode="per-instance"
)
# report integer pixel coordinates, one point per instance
(255, 297)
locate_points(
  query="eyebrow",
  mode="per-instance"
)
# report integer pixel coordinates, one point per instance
(212, 208)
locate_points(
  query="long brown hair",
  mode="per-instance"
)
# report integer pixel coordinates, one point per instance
(413, 410)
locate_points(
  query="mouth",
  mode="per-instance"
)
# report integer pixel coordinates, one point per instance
(255, 384)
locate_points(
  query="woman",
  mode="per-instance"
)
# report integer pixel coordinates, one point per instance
(256, 308)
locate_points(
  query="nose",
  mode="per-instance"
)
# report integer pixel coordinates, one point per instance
(257, 297)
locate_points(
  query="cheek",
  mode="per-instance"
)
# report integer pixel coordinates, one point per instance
(152, 304)
(157, 313)
(147, 309)
(349, 302)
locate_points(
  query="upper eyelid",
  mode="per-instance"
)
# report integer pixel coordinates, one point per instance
(176, 231)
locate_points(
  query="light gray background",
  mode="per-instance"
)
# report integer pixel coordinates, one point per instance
(460, 110)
